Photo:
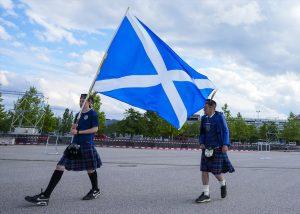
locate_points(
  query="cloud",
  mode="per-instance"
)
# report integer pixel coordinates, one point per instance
(77, 16)
(59, 91)
(6, 4)
(41, 53)
(250, 50)
(88, 63)
(114, 109)
(3, 34)
(73, 55)
(52, 33)
(240, 15)
(4, 78)
(251, 33)
(7, 23)
(43, 57)
(246, 90)
(17, 44)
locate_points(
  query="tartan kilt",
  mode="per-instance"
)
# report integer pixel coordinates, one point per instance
(90, 159)
(219, 164)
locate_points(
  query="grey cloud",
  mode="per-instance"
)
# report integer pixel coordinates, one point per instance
(267, 42)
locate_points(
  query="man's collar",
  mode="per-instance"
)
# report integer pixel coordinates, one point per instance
(211, 115)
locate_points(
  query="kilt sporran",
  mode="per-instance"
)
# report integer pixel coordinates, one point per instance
(209, 153)
(73, 152)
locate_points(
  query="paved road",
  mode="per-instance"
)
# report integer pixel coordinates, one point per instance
(151, 181)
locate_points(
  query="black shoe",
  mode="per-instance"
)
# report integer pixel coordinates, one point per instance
(223, 191)
(39, 199)
(92, 194)
(203, 198)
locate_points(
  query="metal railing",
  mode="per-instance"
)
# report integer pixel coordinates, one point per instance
(140, 143)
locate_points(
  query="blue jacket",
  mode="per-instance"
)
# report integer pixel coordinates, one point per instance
(214, 131)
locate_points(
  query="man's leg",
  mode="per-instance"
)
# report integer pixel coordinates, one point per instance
(204, 197)
(94, 192)
(43, 198)
(222, 182)
(205, 182)
(93, 178)
(56, 176)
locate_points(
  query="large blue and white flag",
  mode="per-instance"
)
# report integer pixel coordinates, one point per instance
(143, 71)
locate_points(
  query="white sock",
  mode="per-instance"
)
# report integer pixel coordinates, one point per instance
(222, 183)
(206, 189)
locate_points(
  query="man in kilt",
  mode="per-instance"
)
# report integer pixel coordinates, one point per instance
(89, 159)
(214, 142)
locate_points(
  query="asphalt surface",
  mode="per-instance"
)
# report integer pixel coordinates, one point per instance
(151, 181)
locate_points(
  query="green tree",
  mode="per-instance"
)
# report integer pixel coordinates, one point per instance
(155, 126)
(133, 123)
(101, 115)
(229, 120)
(4, 117)
(66, 121)
(169, 131)
(252, 134)
(191, 130)
(291, 131)
(50, 122)
(272, 132)
(152, 124)
(263, 130)
(240, 128)
(268, 132)
(226, 112)
(113, 130)
(28, 109)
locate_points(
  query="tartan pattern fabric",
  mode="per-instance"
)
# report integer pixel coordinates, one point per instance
(90, 159)
(219, 164)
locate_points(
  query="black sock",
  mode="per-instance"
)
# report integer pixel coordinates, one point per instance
(94, 180)
(56, 176)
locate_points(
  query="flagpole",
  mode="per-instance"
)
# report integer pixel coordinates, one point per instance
(98, 70)
(213, 94)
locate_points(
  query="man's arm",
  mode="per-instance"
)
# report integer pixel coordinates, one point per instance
(225, 131)
(225, 134)
(87, 131)
(74, 125)
(94, 124)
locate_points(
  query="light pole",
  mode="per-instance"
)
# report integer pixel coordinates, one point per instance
(258, 111)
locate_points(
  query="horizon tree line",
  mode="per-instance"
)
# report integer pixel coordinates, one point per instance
(147, 124)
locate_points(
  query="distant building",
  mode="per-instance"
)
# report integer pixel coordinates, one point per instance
(25, 131)
(259, 122)
(194, 118)
(298, 117)
(109, 122)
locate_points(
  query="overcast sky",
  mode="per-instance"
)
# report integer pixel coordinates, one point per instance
(249, 49)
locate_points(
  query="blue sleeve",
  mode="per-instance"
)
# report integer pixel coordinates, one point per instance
(225, 131)
(202, 132)
(94, 120)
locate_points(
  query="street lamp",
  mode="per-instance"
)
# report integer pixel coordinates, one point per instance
(258, 111)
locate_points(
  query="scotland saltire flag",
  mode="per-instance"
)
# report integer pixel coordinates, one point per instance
(143, 71)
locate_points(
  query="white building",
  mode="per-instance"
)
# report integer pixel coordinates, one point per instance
(259, 122)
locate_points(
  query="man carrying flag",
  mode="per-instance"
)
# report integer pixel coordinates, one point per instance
(83, 130)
